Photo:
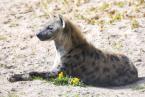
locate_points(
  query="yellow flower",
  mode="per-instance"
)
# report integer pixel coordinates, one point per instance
(60, 75)
(75, 81)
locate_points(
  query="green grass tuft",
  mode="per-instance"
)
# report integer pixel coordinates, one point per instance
(37, 78)
(134, 24)
(62, 80)
(12, 95)
(120, 4)
(139, 87)
(2, 37)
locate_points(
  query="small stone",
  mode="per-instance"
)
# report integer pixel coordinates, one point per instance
(13, 89)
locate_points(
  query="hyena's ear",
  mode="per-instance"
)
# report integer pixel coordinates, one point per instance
(62, 21)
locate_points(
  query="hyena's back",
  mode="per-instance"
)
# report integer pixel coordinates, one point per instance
(94, 67)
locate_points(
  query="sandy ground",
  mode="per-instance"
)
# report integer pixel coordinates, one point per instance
(21, 51)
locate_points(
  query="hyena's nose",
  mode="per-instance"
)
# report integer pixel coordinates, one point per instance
(39, 35)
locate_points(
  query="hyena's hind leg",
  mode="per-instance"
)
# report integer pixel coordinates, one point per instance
(124, 79)
(126, 75)
(30, 76)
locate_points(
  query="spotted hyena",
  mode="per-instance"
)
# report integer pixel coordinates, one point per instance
(78, 58)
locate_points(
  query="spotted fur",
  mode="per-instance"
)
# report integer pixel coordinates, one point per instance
(78, 58)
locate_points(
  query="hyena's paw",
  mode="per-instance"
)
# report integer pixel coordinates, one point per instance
(19, 77)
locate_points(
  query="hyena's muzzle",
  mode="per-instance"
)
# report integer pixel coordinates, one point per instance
(42, 35)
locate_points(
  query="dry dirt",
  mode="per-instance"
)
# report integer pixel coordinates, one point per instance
(21, 51)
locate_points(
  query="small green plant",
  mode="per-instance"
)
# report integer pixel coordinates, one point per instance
(120, 4)
(117, 17)
(134, 24)
(2, 65)
(104, 6)
(62, 81)
(13, 24)
(138, 87)
(44, 5)
(92, 21)
(12, 95)
(141, 1)
(79, 2)
(117, 45)
(37, 78)
(2, 37)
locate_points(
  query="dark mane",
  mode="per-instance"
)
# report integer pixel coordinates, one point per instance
(72, 33)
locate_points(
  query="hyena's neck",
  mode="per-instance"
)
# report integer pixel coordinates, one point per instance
(69, 39)
(60, 47)
(63, 46)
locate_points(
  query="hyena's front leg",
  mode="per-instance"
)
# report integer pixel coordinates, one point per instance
(56, 61)
(30, 76)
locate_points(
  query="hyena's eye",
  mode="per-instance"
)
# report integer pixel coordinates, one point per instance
(49, 28)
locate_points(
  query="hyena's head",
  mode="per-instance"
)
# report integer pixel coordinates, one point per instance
(50, 32)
